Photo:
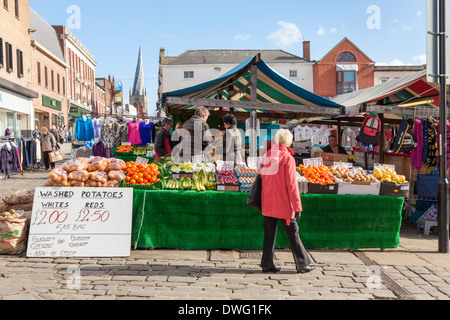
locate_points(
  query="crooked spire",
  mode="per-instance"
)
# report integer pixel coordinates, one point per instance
(138, 87)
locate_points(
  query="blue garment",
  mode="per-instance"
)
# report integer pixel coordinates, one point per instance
(84, 129)
(146, 132)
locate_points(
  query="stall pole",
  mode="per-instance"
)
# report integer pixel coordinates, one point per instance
(253, 116)
(443, 213)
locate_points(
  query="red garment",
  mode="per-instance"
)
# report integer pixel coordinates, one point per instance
(280, 192)
(168, 148)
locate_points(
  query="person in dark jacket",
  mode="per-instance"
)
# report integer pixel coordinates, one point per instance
(333, 146)
(163, 143)
(48, 144)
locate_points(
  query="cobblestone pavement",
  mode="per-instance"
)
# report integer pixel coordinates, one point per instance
(414, 271)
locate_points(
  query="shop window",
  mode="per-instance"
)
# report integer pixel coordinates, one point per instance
(189, 74)
(346, 57)
(347, 81)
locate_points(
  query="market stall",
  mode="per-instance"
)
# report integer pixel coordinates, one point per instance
(161, 219)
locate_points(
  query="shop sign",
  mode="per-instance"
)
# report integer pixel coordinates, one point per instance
(51, 103)
(81, 222)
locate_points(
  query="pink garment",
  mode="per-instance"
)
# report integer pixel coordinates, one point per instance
(417, 153)
(280, 194)
(134, 134)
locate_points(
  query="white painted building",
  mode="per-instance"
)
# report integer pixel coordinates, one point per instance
(385, 74)
(198, 66)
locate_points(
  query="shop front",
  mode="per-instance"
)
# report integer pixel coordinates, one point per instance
(16, 113)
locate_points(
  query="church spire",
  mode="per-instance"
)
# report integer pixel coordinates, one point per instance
(138, 87)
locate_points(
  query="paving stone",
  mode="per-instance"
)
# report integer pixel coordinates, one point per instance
(20, 296)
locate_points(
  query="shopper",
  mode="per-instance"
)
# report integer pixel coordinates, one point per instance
(62, 135)
(200, 134)
(48, 144)
(163, 143)
(281, 201)
(333, 146)
(232, 141)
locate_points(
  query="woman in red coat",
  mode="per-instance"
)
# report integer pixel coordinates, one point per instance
(281, 201)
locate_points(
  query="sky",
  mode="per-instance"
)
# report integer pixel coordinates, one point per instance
(390, 32)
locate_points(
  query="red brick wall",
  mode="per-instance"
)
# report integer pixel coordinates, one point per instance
(325, 77)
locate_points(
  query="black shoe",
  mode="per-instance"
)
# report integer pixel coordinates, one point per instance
(272, 270)
(306, 269)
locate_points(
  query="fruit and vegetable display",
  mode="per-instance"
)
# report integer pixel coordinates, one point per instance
(88, 172)
(187, 167)
(227, 177)
(246, 178)
(139, 151)
(11, 214)
(389, 175)
(353, 175)
(317, 174)
(125, 149)
(200, 181)
(140, 174)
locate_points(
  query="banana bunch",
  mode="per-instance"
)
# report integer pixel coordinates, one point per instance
(198, 185)
(210, 185)
(172, 184)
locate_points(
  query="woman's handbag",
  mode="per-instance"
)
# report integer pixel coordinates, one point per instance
(254, 198)
(55, 156)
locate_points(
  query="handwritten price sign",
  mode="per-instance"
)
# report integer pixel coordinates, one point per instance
(81, 222)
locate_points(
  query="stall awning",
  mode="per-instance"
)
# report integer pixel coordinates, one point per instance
(403, 94)
(275, 93)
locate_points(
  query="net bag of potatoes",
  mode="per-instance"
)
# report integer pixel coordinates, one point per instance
(13, 233)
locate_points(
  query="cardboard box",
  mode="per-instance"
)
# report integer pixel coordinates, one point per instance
(330, 158)
(393, 189)
(315, 188)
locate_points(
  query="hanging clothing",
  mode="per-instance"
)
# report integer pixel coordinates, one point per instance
(108, 132)
(146, 132)
(9, 159)
(134, 135)
(84, 129)
(121, 133)
(98, 149)
(433, 150)
(97, 123)
(38, 150)
(417, 153)
(349, 138)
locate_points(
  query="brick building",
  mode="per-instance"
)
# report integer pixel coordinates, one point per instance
(345, 68)
(80, 74)
(48, 75)
(107, 86)
(16, 92)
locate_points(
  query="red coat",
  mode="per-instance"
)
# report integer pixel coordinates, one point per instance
(280, 192)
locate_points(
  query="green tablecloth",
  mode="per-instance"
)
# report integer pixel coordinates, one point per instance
(222, 220)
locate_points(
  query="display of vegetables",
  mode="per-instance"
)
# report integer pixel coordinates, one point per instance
(389, 175)
(140, 174)
(352, 175)
(200, 181)
(227, 177)
(317, 174)
(125, 148)
(139, 151)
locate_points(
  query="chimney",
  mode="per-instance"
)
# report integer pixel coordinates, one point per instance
(307, 50)
(162, 55)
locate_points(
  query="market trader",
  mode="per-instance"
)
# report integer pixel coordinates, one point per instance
(333, 146)
(163, 144)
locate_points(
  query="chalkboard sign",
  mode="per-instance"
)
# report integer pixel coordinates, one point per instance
(81, 222)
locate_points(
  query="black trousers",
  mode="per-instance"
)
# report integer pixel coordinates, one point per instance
(46, 160)
(301, 257)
